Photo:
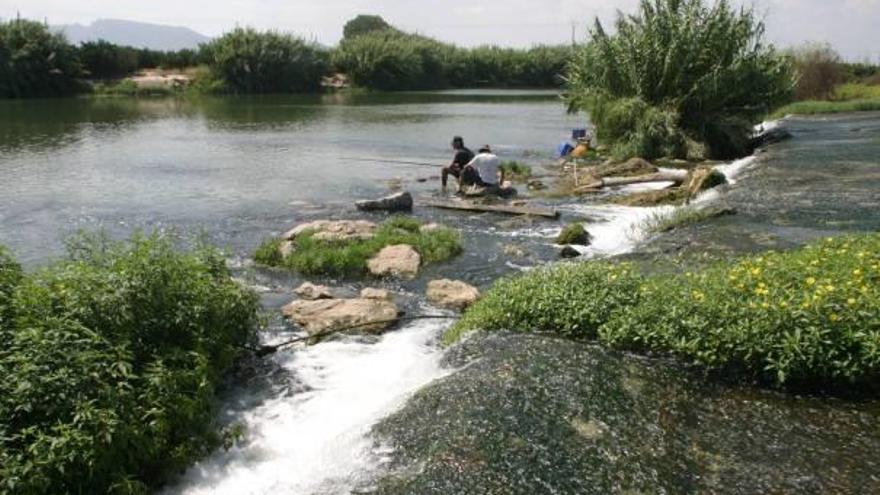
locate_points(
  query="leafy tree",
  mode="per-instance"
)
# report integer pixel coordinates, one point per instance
(35, 61)
(248, 61)
(678, 75)
(364, 24)
(819, 70)
(104, 60)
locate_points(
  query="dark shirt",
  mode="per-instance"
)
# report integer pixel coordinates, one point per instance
(463, 157)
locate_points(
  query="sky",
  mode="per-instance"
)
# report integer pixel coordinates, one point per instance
(852, 27)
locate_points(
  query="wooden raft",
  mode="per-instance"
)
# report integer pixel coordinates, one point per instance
(505, 209)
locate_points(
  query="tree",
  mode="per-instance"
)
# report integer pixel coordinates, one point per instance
(104, 60)
(364, 24)
(819, 70)
(35, 61)
(677, 78)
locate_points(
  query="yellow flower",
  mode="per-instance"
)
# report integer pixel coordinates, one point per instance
(756, 271)
(851, 301)
(811, 281)
(765, 305)
(829, 288)
(857, 272)
(835, 317)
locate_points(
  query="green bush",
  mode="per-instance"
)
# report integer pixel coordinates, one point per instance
(573, 233)
(111, 363)
(809, 317)
(36, 62)
(249, 61)
(516, 171)
(678, 70)
(364, 24)
(104, 60)
(312, 256)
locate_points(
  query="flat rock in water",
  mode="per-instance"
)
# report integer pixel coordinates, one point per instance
(334, 230)
(452, 294)
(400, 260)
(378, 294)
(402, 201)
(569, 252)
(327, 315)
(311, 292)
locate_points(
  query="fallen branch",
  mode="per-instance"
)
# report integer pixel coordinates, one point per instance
(509, 210)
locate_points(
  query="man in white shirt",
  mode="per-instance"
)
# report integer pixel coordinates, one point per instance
(484, 170)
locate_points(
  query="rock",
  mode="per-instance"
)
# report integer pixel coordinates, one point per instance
(514, 251)
(703, 178)
(536, 185)
(311, 292)
(400, 260)
(326, 315)
(334, 230)
(569, 252)
(285, 249)
(574, 234)
(771, 136)
(672, 196)
(402, 201)
(377, 294)
(431, 227)
(452, 294)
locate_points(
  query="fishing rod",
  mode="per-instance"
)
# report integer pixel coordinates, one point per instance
(397, 162)
(266, 350)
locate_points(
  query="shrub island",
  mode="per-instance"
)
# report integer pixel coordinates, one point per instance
(806, 318)
(310, 255)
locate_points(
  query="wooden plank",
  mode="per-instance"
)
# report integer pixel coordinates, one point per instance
(505, 209)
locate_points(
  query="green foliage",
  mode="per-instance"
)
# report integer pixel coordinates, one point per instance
(678, 71)
(312, 256)
(364, 24)
(809, 317)
(516, 171)
(249, 61)
(573, 233)
(390, 59)
(127, 87)
(111, 363)
(35, 62)
(10, 277)
(104, 60)
(681, 217)
(810, 107)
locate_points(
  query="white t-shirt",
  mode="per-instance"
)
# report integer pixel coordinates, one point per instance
(487, 165)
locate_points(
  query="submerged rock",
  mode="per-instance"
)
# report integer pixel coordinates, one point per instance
(453, 294)
(569, 252)
(334, 230)
(311, 292)
(326, 315)
(526, 414)
(400, 260)
(402, 201)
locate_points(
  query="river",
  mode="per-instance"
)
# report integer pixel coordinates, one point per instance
(243, 169)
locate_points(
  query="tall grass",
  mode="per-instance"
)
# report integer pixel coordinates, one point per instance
(676, 73)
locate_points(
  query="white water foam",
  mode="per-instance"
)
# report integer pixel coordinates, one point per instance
(317, 441)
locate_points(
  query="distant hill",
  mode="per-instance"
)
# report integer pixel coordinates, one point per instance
(136, 34)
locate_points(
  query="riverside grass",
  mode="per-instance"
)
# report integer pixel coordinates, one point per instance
(349, 258)
(679, 78)
(808, 318)
(111, 359)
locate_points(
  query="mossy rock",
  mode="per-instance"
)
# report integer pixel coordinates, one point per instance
(574, 234)
(673, 196)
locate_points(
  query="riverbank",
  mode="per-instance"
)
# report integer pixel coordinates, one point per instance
(847, 98)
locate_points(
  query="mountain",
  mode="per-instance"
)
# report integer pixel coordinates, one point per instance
(136, 34)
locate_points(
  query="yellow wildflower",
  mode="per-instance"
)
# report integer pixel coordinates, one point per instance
(811, 281)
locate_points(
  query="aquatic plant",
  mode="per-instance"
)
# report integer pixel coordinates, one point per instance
(250, 61)
(111, 359)
(802, 318)
(311, 256)
(516, 171)
(681, 217)
(678, 74)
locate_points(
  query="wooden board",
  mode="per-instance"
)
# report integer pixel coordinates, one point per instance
(504, 209)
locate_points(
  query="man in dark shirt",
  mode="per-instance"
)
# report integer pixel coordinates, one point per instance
(462, 157)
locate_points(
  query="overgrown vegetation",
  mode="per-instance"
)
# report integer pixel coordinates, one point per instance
(516, 171)
(111, 360)
(676, 77)
(36, 62)
(682, 217)
(803, 318)
(311, 256)
(249, 61)
(849, 97)
(386, 58)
